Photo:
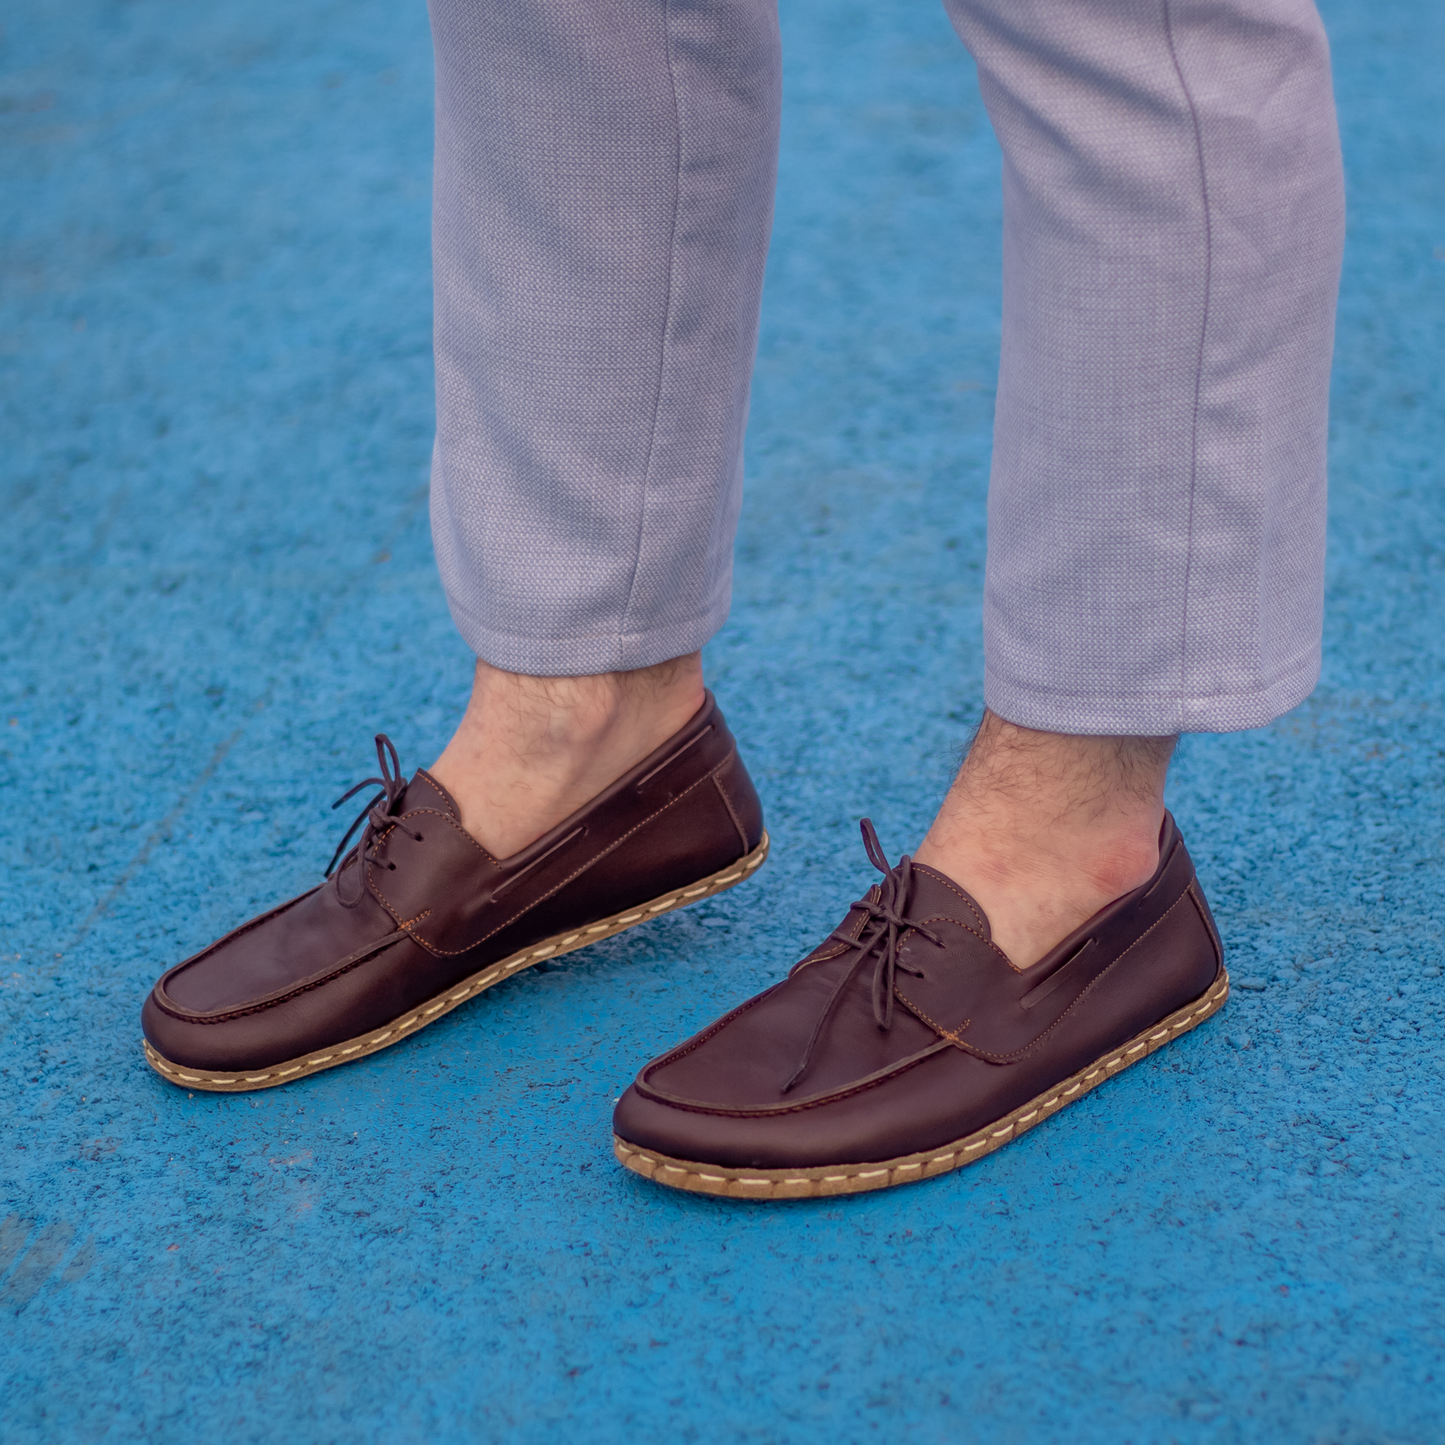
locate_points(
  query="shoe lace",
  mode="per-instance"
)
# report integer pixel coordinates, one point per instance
(886, 922)
(377, 815)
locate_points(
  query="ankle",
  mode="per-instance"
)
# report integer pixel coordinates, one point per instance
(1102, 862)
(554, 717)
(1044, 829)
(531, 750)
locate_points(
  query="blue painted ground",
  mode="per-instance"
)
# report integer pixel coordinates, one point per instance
(218, 583)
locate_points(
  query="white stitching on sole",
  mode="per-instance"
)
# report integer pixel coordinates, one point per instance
(903, 1171)
(493, 974)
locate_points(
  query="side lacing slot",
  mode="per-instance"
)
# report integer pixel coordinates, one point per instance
(1041, 991)
(667, 762)
(538, 861)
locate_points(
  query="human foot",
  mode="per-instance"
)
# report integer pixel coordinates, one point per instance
(419, 918)
(1045, 829)
(530, 751)
(907, 1044)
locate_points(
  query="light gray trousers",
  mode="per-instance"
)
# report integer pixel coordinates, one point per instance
(1173, 218)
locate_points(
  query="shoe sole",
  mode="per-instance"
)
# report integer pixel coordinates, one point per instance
(238, 1082)
(909, 1168)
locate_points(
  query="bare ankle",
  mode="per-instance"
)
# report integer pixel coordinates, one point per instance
(1043, 829)
(531, 750)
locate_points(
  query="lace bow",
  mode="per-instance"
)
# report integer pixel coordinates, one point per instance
(377, 815)
(886, 922)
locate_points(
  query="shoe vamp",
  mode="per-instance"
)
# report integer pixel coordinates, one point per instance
(281, 950)
(940, 1099)
(380, 989)
(748, 1058)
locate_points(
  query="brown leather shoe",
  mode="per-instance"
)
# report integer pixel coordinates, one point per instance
(907, 1044)
(420, 918)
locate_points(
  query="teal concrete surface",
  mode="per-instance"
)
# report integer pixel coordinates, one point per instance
(217, 583)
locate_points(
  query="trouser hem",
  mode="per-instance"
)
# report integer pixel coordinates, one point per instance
(1147, 715)
(581, 656)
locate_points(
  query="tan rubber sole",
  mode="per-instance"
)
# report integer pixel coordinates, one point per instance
(479, 982)
(860, 1178)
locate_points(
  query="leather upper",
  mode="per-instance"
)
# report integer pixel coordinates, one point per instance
(432, 906)
(967, 1038)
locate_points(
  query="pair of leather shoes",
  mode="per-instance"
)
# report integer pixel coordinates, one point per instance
(905, 1045)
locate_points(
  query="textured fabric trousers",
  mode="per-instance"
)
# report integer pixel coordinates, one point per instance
(1173, 219)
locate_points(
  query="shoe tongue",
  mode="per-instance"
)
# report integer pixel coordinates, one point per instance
(423, 791)
(935, 893)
